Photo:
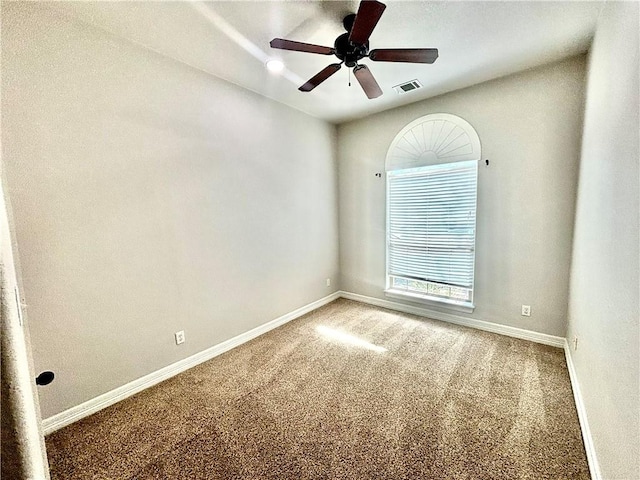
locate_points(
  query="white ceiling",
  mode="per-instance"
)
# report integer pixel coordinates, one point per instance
(477, 41)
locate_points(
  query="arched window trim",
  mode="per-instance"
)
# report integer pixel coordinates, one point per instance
(431, 139)
(425, 149)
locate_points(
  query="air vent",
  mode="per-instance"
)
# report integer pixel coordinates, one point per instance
(407, 86)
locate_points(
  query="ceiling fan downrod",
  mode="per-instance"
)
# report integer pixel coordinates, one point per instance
(353, 46)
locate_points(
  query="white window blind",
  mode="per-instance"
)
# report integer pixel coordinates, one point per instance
(431, 225)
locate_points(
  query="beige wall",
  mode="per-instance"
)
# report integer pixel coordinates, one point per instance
(604, 308)
(148, 198)
(529, 126)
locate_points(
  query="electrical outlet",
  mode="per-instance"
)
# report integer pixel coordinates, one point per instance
(575, 343)
(526, 310)
(180, 337)
(328, 282)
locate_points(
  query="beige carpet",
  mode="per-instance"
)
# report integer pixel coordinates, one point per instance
(348, 391)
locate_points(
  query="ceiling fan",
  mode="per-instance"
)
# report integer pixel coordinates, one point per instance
(353, 46)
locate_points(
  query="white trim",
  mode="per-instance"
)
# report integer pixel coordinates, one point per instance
(592, 459)
(28, 445)
(422, 176)
(433, 301)
(400, 158)
(107, 399)
(89, 407)
(458, 320)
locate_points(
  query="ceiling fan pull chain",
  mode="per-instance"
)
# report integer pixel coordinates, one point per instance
(353, 46)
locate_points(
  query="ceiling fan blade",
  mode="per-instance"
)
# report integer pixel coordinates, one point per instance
(320, 77)
(409, 55)
(369, 12)
(367, 82)
(283, 44)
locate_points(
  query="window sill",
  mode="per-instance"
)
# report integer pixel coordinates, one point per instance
(431, 301)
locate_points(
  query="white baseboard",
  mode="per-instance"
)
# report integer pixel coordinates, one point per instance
(85, 409)
(592, 459)
(89, 407)
(459, 320)
(594, 466)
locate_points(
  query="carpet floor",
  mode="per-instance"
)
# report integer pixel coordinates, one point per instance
(348, 391)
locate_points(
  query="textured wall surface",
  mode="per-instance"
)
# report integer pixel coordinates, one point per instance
(604, 312)
(529, 126)
(150, 198)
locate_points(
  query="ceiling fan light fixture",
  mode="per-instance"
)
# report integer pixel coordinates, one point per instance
(275, 65)
(353, 46)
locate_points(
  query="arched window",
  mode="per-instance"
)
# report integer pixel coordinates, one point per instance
(432, 178)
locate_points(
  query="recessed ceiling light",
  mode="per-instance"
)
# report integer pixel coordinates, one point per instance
(275, 66)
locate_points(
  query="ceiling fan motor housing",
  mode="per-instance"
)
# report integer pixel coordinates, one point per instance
(353, 46)
(348, 52)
